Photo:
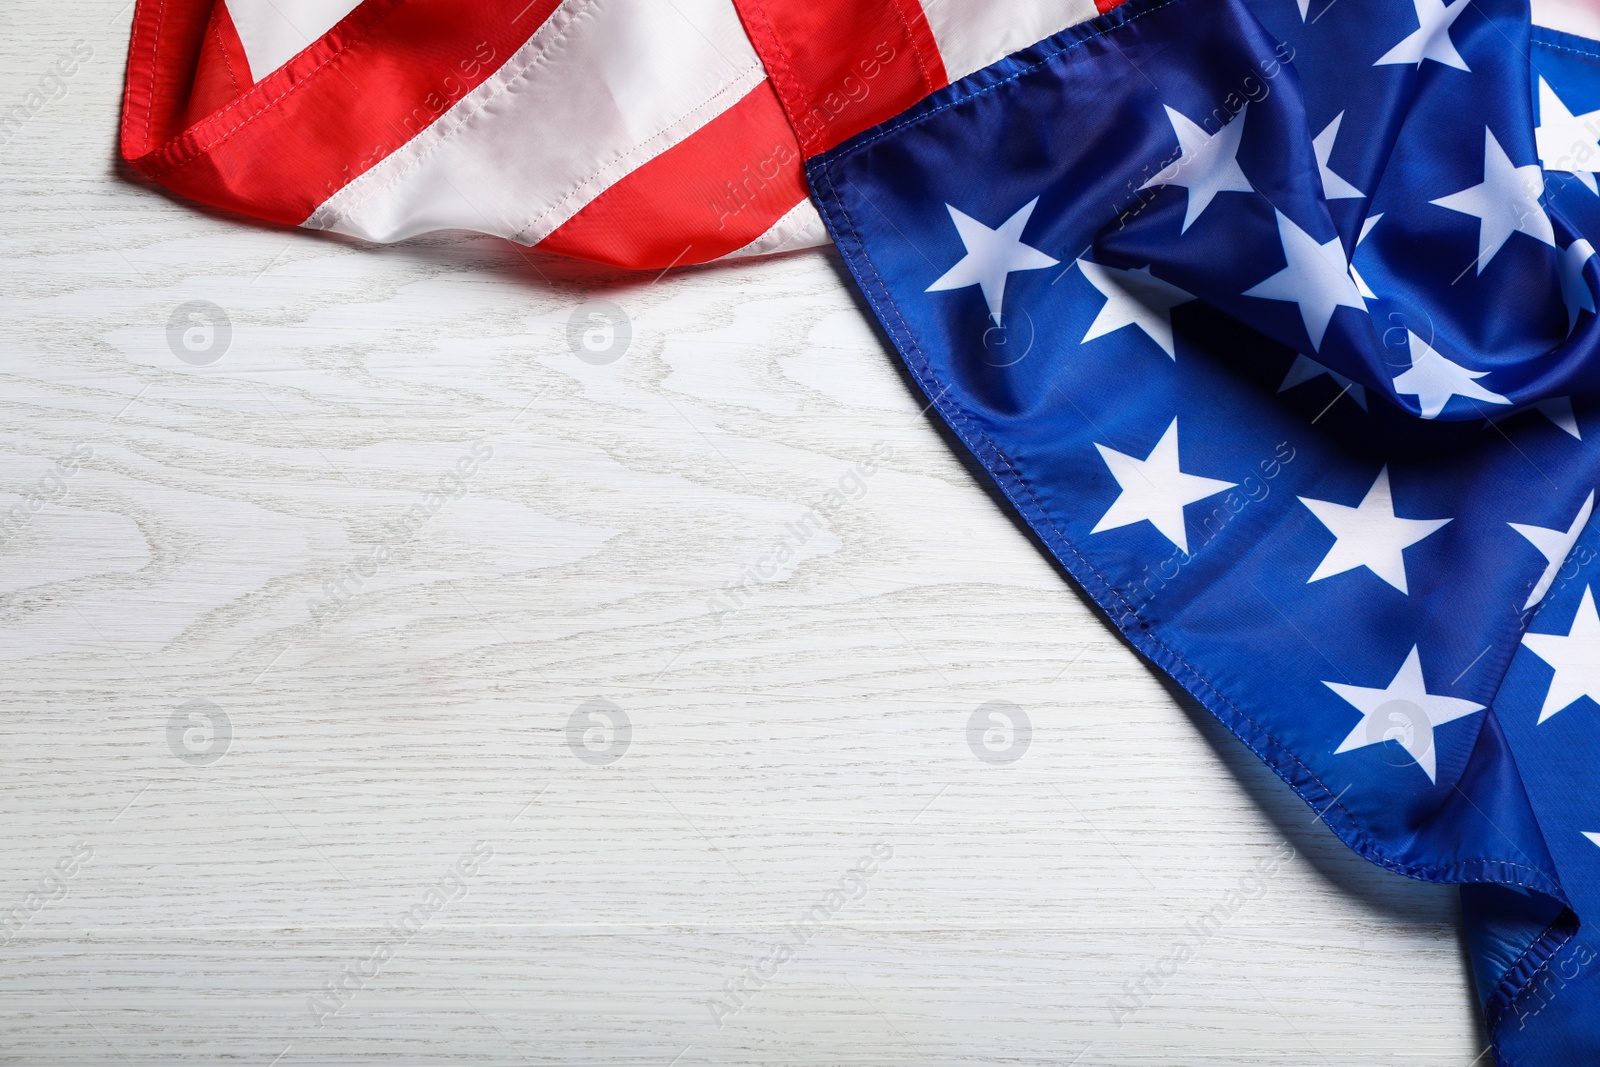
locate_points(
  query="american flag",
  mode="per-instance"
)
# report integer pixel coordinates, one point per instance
(1274, 319)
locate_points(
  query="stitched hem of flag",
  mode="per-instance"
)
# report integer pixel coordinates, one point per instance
(1519, 977)
(1561, 41)
(303, 131)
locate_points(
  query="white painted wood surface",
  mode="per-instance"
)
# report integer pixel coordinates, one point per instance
(195, 510)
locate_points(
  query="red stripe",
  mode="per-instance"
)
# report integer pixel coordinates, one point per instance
(712, 193)
(222, 70)
(306, 130)
(840, 66)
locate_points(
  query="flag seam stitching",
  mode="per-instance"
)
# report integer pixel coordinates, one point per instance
(910, 119)
(267, 105)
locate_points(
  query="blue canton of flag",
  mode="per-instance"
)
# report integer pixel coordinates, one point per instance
(1276, 321)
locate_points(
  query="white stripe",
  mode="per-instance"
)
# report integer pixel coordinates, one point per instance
(1581, 17)
(800, 227)
(602, 87)
(275, 31)
(973, 35)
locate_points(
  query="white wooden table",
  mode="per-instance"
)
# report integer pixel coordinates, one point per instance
(376, 832)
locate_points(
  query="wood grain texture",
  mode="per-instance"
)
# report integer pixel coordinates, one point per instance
(654, 532)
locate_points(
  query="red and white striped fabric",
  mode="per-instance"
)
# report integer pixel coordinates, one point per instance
(640, 133)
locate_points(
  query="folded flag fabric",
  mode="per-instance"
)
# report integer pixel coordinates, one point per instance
(1267, 319)
(1274, 319)
(641, 133)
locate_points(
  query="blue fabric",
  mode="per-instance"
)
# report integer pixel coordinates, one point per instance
(1452, 377)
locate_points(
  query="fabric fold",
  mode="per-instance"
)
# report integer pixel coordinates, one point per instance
(1140, 275)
